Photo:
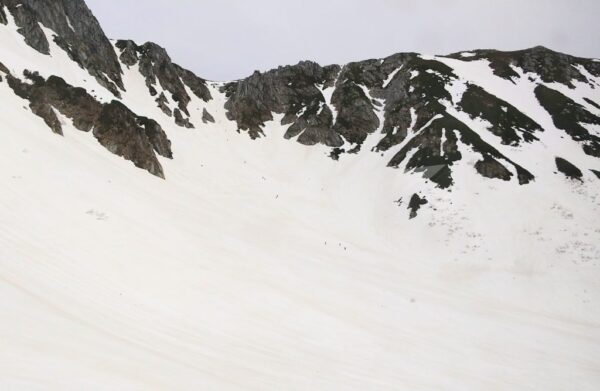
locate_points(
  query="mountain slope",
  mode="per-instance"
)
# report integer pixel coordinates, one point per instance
(278, 251)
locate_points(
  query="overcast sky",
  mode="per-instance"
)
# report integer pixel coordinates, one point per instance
(229, 39)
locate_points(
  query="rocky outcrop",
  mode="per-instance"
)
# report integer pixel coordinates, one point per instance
(117, 128)
(341, 106)
(412, 108)
(568, 169)
(549, 65)
(569, 116)
(207, 117)
(123, 133)
(292, 91)
(159, 71)
(77, 32)
(506, 121)
(181, 121)
(415, 203)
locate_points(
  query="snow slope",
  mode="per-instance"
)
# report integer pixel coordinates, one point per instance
(264, 265)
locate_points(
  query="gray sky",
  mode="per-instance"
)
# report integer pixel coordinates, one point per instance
(228, 39)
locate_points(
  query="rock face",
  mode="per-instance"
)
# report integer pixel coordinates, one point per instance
(78, 33)
(207, 117)
(414, 110)
(123, 133)
(293, 91)
(568, 169)
(159, 71)
(549, 65)
(406, 100)
(117, 128)
(569, 115)
(507, 122)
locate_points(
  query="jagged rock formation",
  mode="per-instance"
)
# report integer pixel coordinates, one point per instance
(507, 122)
(78, 33)
(156, 66)
(207, 117)
(117, 128)
(416, 111)
(568, 116)
(550, 66)
(568, 169)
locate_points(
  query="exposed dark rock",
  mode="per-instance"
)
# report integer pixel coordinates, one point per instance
(596, 172)
(46, 112)
(181, 121)
(121, 132)
(195, 83)
(491, 168)
(74, 103)
(399, 101)
(432, 157)
(356, 118)
(418, 87)
(314, 127)
(596, 105)
(156, 66)
(507, 122)
(28, 25)
(129, 52)
(435, 158)
(117, 128)
(85, 42)
(162, 102)
(415, 204)
(3, 19)
(207, 117)
(551, 66)
(568, 116)
(157, 137)
(292, 91)
(568, 169)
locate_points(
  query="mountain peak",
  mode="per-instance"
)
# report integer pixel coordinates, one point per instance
(76, 31)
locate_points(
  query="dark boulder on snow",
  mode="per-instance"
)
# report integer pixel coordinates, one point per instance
(415, 203)
(207, 117)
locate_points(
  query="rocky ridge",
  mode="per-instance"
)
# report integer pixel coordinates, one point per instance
(406, 103)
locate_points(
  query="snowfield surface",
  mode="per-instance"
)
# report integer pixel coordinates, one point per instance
(265, 265)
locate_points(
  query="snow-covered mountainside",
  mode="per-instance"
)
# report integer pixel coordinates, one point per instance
(408, 223)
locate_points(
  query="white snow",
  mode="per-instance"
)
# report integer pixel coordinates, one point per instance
(391, 76)
(264, 265)
(17, 56)
(327, 95)
(554, 142)
(69, 23)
